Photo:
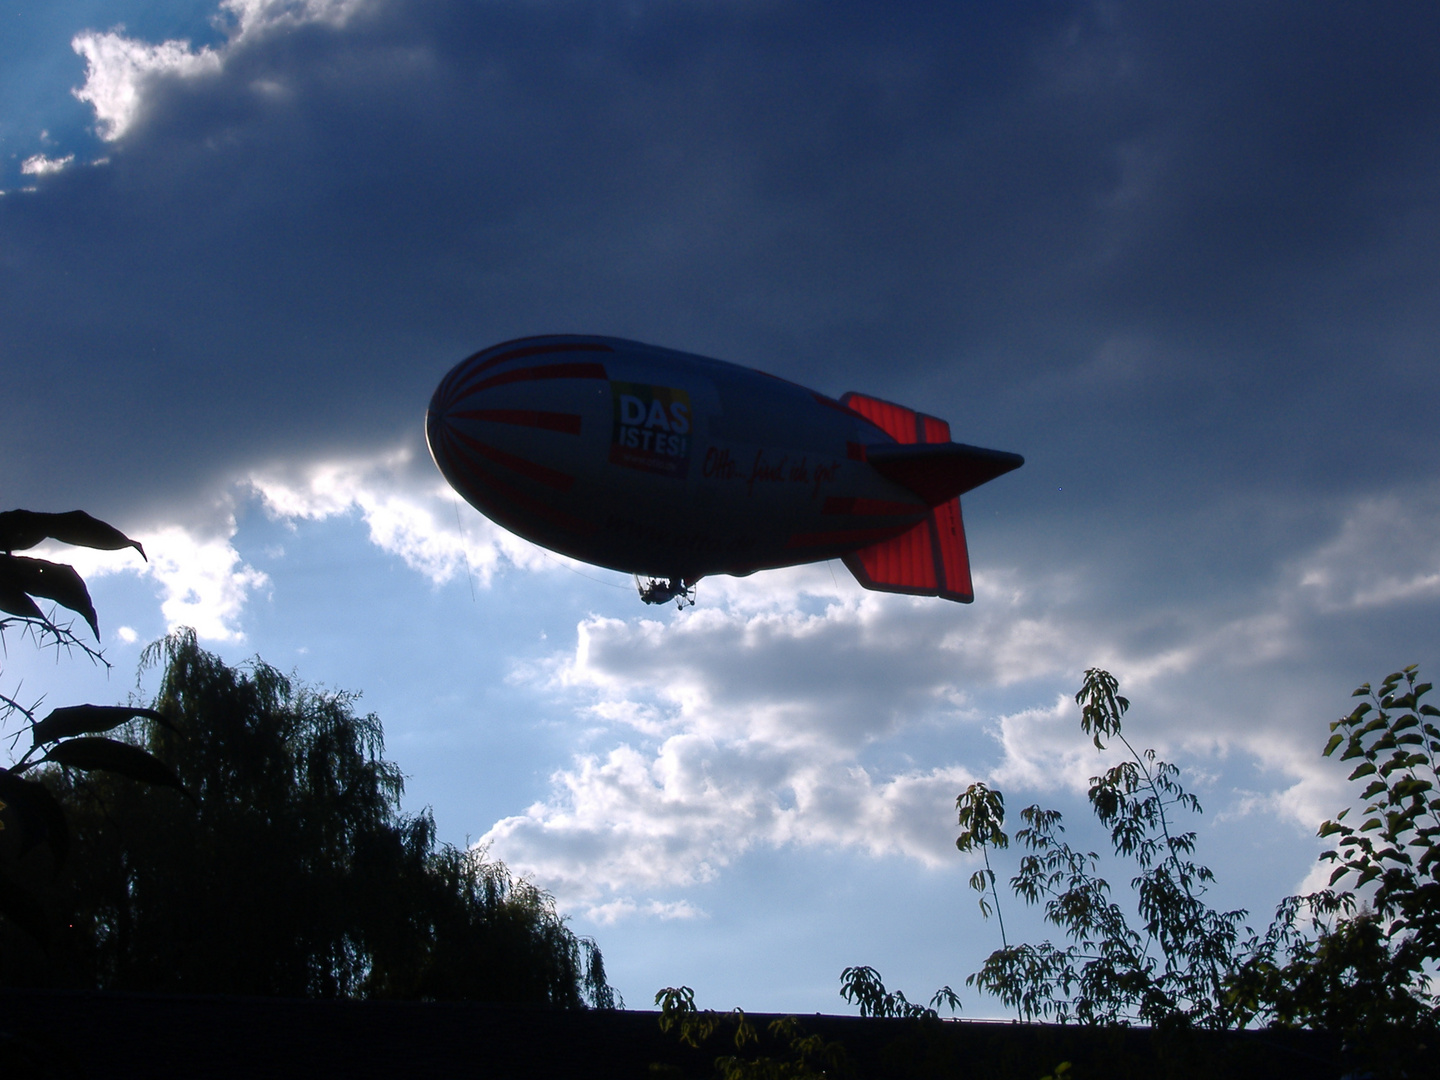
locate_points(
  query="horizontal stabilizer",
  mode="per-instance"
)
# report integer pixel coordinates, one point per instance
(929, 560)
(939, 472)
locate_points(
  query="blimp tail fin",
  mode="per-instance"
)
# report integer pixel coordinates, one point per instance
(929, 560)
(922, 458)
(900, 423)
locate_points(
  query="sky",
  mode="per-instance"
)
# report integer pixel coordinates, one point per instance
(1184, 258)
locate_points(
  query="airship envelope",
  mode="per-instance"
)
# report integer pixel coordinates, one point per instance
(672, 466)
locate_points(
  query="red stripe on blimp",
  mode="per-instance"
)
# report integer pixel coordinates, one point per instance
(462, 374)
(541, 350)
(855, 537)
(532, 374)
(474, 471)
(540, 473)
(567, 423)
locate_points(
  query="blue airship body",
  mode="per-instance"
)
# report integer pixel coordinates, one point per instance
(673, 466)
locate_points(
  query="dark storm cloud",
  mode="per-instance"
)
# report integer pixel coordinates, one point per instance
(1169, 254)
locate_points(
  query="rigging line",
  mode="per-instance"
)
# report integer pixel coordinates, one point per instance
(587, 577)
(464, 553)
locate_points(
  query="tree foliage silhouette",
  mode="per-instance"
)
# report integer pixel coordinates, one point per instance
(296, 874)
(1171, 968)
(34, 833)
(1367, 967)
(780, 1051)
(1361, 963)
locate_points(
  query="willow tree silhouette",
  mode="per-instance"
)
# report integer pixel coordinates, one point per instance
(297, 874)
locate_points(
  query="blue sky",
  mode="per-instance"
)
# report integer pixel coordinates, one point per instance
(1184, 260)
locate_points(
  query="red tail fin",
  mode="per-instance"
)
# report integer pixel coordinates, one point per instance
(901, 424)
(929, 560)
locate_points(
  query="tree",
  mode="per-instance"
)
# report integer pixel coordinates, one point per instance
(1368, 965)
(1360, 966)
(1173, 972)
(1397, 846)
(296, 874)
(864, 987)
(34, 834)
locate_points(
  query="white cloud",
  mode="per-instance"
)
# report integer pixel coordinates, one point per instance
(1043, 749)
(760, 718)
(625, 907)
(1387, 551)
(747, 725)
(204, 583)
(119, 70)
(678, 816)
(419, 519)
(40, 165)
(254, 17)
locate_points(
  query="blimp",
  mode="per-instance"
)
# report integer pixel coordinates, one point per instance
(674, 467)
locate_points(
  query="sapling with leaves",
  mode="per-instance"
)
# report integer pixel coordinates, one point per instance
(863, 986)
(981, 813)
(1364, 967)
(1170, 970)
(71, 737)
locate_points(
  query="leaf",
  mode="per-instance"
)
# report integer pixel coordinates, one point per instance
(1411, 786)
(1375, 723)
(21, 529)
(14, 601)
(85, 719)
(1363, 770)
(39, 816)
(1335, 740)
(92, 752)
(53, 581)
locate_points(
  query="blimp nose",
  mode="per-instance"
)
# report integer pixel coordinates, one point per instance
(505, 429)
(436, 424)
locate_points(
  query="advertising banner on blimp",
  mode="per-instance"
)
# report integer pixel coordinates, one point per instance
(652, 428)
